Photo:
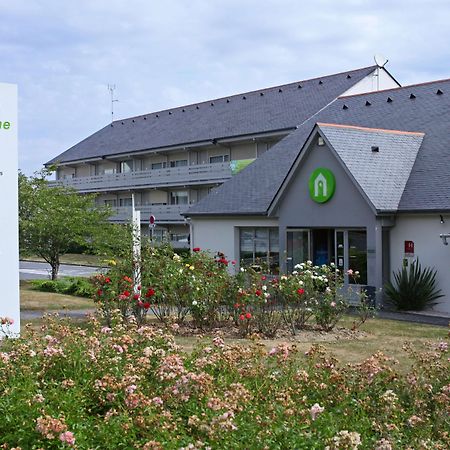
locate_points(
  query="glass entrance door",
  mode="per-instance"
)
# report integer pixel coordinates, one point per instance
(351, 253)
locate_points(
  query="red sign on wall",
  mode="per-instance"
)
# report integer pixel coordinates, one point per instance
(409, 248)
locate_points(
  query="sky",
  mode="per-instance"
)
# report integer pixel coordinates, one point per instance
(161, 54)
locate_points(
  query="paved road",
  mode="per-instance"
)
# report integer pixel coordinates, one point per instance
(32, 270)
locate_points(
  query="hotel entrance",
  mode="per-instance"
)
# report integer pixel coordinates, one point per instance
(347, 248)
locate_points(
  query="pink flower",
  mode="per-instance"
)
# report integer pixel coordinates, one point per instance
(349, 272)
(315, 410)
(196, 249)
(333, 304)
(157, 401)
(233, 262)
(67, 437)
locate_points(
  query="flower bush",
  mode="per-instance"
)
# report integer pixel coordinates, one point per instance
(207, 290)
(129, 386)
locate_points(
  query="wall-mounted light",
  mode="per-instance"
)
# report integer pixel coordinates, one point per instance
(320, 141)
(444, 238)
(442, 218)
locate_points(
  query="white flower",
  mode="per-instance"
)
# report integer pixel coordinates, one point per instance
(315, 410)
(242, 269)
(298, 266)
(195, 303)
(309, 262)
(294, 272)
(301, 283)
(264, 288)
(283, 277)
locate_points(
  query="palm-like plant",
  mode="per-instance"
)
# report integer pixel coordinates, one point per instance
(415, 289)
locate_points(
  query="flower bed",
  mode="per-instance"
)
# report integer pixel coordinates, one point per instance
(206, 291)
(127, 386)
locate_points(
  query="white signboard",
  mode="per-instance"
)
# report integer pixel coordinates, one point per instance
(9, 228)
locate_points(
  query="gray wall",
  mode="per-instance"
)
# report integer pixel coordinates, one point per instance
(346, 209)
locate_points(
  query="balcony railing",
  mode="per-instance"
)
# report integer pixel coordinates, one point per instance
(187, 175)
(162, 213)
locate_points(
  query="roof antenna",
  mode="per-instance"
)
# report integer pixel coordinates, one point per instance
(111, 89)
(380, 61)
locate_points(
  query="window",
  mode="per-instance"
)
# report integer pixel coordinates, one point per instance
(179, 237)
(179, 163)
(260, 247)
(125, 202)
(160, 165)
(112, 203)
(126, 166)
(218, 159)
(179, 198)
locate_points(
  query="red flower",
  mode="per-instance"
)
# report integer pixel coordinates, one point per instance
(263, 278)
(223, 261)
(150, 293)
(236, 305)
(139, 287)
(258, 292)
(248, 316)
(196, 249)
(128, 279)
(136, 296)
(99, 292)
(107, 280)
(233, 262)
(300, 291)
(126, 293)
(242, 317)
(146, 305)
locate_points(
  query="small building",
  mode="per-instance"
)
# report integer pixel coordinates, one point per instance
(364, 183)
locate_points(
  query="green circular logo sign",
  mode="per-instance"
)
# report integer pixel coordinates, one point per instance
(321, 185)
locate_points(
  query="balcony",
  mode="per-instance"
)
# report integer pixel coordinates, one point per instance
(163, 213)
(174, 176)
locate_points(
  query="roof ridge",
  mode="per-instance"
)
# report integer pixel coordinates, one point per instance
(176, 108)
(396, 88)
(383, 130)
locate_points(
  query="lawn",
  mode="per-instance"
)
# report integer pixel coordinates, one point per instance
(47, 301)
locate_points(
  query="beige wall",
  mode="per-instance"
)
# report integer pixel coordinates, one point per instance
(154, 196)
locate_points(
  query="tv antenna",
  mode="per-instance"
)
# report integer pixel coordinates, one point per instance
(380, 60)
(111, 89)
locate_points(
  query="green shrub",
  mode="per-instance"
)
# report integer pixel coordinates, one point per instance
(133, 388)
(415, 289)
(77, 286)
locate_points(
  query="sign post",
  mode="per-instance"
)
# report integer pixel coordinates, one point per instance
(151, 226)
(9, 212)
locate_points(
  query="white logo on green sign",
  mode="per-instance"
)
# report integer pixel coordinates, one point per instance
(321, 185)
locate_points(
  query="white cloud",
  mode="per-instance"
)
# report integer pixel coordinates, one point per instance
(163, 54)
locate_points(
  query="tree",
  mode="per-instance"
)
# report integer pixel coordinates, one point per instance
(54, 219)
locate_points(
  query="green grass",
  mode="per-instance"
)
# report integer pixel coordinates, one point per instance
(48, 301)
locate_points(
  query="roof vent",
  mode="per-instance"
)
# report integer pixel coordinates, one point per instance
(439, 92)
(122, 123)
(348, 77)
(183, 110)
(368, 103)
(145, 118)
(320, 82)
(375, 149)
(170, 113)
(261, 94)
(299, 86)
(212, 104)
(389, 100)
(197, 107)
(345, 107)
(133, 120)
(244, 98)
(228, 100)
(280, 90)
(412, 96)
(157, 115)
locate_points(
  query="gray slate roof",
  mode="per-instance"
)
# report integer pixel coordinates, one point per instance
(265, 110)
(382, 175)
(427, 110)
